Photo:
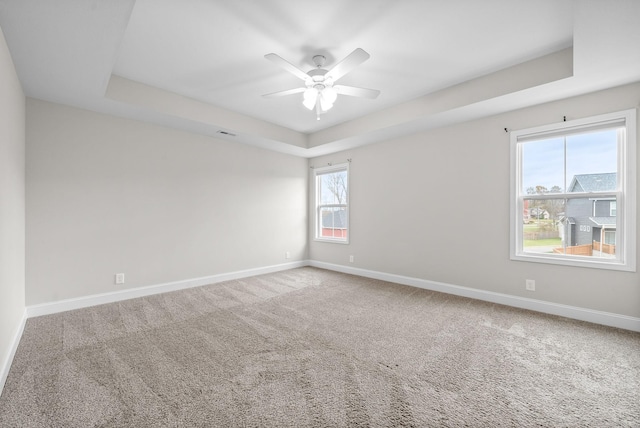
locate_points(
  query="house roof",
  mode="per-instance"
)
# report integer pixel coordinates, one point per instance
(604, 221)
(600, 182)
(334, 219)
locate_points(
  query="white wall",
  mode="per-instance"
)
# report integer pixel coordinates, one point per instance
(107, 195)
(415, 205)
(12, 207)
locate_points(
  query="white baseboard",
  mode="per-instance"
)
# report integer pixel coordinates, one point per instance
(582, 314)
(116, 296)
(6, 364)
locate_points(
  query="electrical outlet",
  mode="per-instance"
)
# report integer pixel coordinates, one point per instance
(287, 255)
(119, 278)
(530, 284)
(350, 259)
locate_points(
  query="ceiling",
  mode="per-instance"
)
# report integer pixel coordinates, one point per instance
(199, 65)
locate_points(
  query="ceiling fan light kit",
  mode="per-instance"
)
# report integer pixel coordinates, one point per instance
(319, 93)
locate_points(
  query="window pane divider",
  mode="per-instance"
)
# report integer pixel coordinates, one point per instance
(332, 205)
(572, 195)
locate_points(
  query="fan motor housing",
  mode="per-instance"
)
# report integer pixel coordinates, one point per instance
(317, 72)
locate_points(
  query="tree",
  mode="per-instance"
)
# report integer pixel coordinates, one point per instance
(552, 206)
(336, 183)
(541, 190)
(555, 206)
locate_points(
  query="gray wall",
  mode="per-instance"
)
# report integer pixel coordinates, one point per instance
(107, 195)
(414, 204)
(12, 205)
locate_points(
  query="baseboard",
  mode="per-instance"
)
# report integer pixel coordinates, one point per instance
(116, 296)
(6, 364)
(582, 314)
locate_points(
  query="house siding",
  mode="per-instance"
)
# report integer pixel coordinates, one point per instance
(603, 208)
(580, 210)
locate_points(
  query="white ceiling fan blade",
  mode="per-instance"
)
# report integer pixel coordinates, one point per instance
(283, 93)
(356, 92)
(287, 66)
(352, 60)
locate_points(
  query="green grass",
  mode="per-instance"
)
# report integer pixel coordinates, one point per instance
(542, 242)
(538, 225)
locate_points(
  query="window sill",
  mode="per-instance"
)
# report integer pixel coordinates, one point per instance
(333, 241)
(591, 262)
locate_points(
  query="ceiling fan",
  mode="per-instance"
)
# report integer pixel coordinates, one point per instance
(320, 90)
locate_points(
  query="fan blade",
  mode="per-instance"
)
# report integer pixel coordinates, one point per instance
(287, 66)
(356, 92)
(283, 93)
(352, 60)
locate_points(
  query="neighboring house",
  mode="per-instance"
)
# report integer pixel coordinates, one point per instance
(334, 224)
(591, 220)
(539, 213)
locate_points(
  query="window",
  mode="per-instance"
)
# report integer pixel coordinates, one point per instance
(573, 192)
(332, 203)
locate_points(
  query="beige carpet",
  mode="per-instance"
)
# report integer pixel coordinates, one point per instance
(313, 348)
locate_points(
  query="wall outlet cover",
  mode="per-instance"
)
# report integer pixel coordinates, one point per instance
(530, 284)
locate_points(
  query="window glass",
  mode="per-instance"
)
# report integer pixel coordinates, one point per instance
(332, 209)
(543, 166)
(569, 181)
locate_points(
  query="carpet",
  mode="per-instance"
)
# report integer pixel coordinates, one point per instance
(313, 348)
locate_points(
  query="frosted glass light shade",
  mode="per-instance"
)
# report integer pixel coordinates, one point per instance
(327, 98)
(329, 94)
(310, 97)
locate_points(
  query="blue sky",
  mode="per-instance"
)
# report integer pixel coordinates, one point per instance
(543, 160)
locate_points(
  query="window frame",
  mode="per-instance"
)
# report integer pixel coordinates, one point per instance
(317, 173)
(625, 192)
